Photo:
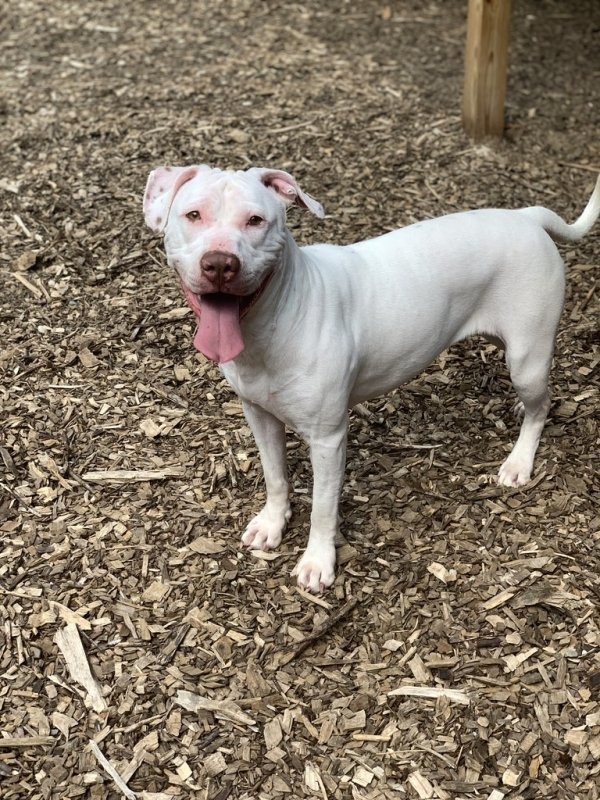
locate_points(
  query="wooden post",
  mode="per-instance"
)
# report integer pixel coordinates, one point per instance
(486, 60)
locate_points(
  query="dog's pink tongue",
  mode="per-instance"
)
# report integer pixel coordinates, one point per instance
(219, 336)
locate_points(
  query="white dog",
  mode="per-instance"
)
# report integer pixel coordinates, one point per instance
(302, 334)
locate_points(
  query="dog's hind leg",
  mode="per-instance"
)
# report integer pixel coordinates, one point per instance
(529, 369)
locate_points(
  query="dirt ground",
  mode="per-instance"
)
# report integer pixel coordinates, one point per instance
(134, 629)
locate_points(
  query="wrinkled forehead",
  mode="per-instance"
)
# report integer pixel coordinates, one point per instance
(225, 190)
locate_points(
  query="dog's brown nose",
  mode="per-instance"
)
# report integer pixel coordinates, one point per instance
(219, 267)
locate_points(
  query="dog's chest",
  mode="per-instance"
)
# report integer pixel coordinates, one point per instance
(251, 382)
(273, 393)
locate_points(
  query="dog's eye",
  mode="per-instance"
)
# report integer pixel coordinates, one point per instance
(193, 216)
(255, 220)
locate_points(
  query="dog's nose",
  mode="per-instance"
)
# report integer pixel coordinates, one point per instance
(219, 267)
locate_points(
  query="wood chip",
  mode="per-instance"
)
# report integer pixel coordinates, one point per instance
(205, 545)
(35, 290)
(155, 592)
(223, 709)
(498, 600)
(576, 738)
(418, 669)
(515, 661)
(127, 475)
(421, 785)
(372, 737)
(313, 780)
(156, 796)
(528, 741)
(71, 617)
(69, 643)
(23, 742)
(593, 746)
(431, 693)
(511, 777)
(272, 733)
(362, 777)
(441, 572)
(215, 764)
(111, 771)
(63, 722)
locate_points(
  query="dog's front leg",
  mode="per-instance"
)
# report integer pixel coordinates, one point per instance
(316, 569)
(265, 530)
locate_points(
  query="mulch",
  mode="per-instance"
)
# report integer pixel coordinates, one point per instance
(142, 652)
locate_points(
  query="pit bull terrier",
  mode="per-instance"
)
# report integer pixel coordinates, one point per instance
(304, 333)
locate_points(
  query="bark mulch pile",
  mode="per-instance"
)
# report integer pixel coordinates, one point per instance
(143, 654)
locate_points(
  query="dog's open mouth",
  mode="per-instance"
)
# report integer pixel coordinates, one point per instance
(218, 315)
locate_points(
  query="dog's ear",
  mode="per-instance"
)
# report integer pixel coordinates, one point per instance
(287, 189)
(162, 186)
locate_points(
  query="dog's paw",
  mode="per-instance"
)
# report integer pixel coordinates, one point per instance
(514, 472)
(316, 570)
(264, 532)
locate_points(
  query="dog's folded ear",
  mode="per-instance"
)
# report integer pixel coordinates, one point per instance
(287, 189)
(162, 186)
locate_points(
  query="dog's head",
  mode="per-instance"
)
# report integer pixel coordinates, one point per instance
(224, 234)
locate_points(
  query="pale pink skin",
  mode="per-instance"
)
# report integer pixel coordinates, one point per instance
(205, 211)
(226, 202)
(339, 325)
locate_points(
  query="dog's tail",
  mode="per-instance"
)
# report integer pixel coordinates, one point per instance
(558, 228)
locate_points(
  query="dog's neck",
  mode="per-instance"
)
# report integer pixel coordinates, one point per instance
(274, 304)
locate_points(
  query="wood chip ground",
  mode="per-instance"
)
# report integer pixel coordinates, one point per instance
(143, 654)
